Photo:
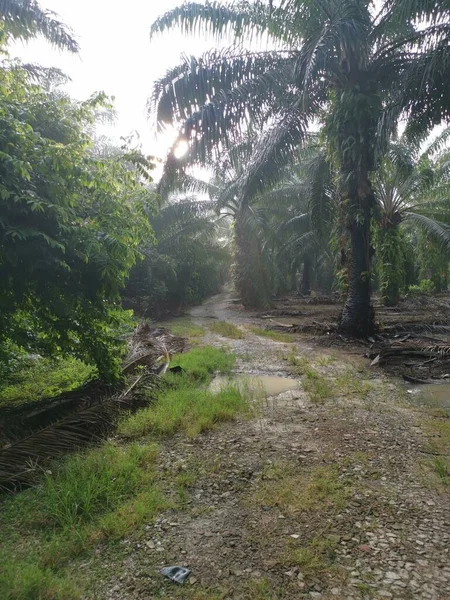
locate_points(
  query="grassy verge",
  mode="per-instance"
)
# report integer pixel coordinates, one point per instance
(107, 493)
(184, 328)
(227, 330)
(38, 378)
(272, 335)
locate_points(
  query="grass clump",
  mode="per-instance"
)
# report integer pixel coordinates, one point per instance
(227, 330)
(27, 581)
(276, 336)
(201, 363)
(320, 489)
(93, 483)
(349, 384)
(38, 378)
(438, 430)
(187, 409)
(318, 387)
(101, 494)
(185, 328)
(316, 557)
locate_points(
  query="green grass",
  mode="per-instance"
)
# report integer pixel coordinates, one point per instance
(40, 378)
(94, 483)
(27, 581)
(227, 330)
(95, 496)
(318, 387)
(441, 467)
(316, 490)
(187, 409)
(437, 428)
(349, 383)
(201, 363)
(104, 494)
(184, 327)
(272, 335)
(316, 557)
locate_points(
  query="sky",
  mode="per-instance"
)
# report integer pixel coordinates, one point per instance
(116, 57)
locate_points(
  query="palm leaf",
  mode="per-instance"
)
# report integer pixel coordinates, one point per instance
(25, 19)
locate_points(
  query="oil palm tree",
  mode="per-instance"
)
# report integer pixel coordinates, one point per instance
(26, 19)
(412, 189)
(356, 69)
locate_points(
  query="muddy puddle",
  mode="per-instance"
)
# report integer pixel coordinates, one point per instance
(268, 384)
(433, 395)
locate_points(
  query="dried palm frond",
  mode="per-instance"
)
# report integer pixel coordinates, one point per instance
(22, 461)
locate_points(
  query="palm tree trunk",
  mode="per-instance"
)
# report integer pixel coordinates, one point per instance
(249, 274)
(358, 316)
(306, 276)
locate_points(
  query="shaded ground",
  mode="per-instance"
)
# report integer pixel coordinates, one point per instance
(328, 491)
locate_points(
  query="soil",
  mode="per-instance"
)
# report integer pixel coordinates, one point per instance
(387, 538)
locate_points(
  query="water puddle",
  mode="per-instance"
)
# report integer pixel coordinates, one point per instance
(433, 395)
(270, 385)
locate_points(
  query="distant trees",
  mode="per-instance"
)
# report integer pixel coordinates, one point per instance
(185, 263)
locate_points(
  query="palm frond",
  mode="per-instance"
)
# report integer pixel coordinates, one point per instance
(231, 77)
(440, 232)
(241, 19)
(25, 19)
(273, 152)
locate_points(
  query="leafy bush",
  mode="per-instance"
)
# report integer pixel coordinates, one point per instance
(70, 227)
(424, 288)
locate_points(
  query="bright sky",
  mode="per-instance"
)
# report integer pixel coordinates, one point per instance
(116, 57)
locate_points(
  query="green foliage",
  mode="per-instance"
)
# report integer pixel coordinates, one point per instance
(433, 263)
(70, 227)
(391, 260)
(100, 494)
(425, 287)
(185, 328)
(34, 378)
(26, 20)
(93, 483)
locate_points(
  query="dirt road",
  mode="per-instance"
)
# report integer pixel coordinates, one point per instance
(326, 492)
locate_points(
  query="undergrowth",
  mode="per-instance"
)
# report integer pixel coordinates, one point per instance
(200, 363)
(319, 488)
(37, 378)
